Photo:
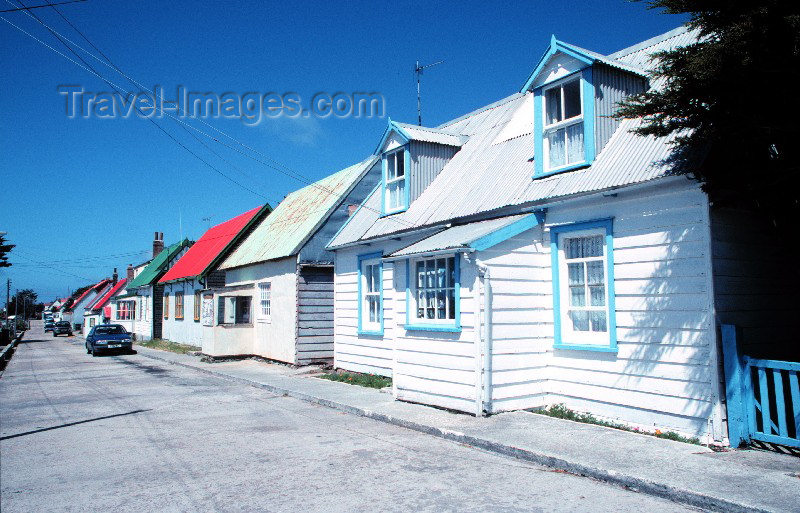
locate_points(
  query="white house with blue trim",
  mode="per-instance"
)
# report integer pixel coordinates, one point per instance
(536, 252)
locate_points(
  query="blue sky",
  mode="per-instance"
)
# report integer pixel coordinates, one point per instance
(81, 196)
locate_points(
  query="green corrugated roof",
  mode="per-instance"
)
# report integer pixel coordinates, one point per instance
(157, 266)
(296, 218)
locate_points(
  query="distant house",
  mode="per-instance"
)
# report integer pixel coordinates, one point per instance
(99, 311)
(147, 294)
(277, 301)
(194, 275)
(126, 308)
(536, 251)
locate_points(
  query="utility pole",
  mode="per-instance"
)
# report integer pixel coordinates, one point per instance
(8, 298)
(418, 72)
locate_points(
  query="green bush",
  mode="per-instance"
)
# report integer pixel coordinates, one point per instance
(363, 380)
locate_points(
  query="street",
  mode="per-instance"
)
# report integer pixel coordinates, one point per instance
(127, 433)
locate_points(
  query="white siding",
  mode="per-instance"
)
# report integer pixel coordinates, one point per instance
(664, 372)
(186, 330)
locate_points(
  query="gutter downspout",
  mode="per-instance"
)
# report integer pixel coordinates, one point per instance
(483, 337)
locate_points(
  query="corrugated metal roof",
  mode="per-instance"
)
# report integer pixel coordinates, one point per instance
(433, 135)
(458, 237)
(490, 173)
(103, 299)
(296, 218)
(156, 267)
(208, 248)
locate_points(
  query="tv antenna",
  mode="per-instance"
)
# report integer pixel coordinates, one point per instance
(208, 221)
(418, 70)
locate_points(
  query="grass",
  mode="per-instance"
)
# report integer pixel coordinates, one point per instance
(362, 380)
(167, 345)
(560, 411)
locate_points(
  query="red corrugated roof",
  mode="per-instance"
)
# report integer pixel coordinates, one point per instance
(100, 303)
(197, 259)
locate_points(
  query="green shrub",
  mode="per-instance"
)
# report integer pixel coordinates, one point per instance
(355, 378)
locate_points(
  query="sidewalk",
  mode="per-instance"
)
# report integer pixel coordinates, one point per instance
(732, 481)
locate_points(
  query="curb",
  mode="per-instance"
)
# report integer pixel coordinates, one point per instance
(636, 484)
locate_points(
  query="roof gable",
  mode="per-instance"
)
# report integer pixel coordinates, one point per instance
(397, 134)
(213, 245)
(111, 292)
(562, 58)
(156, 267)
(296, 218)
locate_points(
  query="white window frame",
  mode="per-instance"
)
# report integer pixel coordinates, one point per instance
(265, 301)
(367, 262)
(392, 158)
(565, 336)
(561, 124)
(453, 282)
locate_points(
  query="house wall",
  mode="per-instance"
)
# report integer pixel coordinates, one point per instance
(352, 351)
(314, 315)
(80, 308)
(428, 367)
(143, 324)
(754, 283)
(313, 251)
(665, 372)
(427, 161)
(187, 330)
(273, 337)
(610, 87)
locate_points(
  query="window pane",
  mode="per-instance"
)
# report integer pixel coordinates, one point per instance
(598, 295)
(376, 278)
(556, 149)
(373, 309)
(598, 321)
(401, 164)
(420, 305)
(575, 143)
(430, 272)
(420, 275)
(594, 272)
(577, 296)
(584, 247)
(441, 273)
(451, 266)
(580, 320)
(451, 304)
(572, 99)
(430, 311)
(552, 99)
(440, 305)
(575, 274)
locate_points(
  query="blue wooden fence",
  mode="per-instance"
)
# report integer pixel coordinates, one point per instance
(763, 396)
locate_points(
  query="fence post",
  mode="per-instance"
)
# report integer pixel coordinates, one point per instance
(737, 401)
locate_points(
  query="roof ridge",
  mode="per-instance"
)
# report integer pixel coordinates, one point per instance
(490, 106)
(427, 128)
(647, 43)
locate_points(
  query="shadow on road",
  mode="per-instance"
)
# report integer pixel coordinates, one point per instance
(72, 424)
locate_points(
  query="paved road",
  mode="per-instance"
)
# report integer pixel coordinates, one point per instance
(127, 433)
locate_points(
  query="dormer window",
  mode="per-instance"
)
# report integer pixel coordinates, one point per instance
(395, 197)
(563, 125)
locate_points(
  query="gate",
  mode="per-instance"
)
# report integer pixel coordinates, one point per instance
(763, 396)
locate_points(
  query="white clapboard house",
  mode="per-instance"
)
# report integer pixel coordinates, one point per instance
(277, 301)
(536, 252)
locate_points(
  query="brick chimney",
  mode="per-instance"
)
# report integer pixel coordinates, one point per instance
(129, 274)
(114, 277)
(158, 243)
(351, 209)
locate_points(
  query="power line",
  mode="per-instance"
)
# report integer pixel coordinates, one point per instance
(271, 163)
(40, 6)
(116, 88)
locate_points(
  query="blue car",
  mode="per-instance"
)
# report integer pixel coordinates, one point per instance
(108, 337)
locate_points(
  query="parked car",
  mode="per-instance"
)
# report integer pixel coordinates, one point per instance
(108, 337)
(62, 328)
(49, 326)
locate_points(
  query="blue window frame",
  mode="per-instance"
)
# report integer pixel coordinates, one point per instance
(433, 293)
(370, 294)
(396, 165)
(584, 314)
(563, 124)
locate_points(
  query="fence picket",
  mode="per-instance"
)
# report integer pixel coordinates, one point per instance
(766, 422)
(780, 406)
(794, 391)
